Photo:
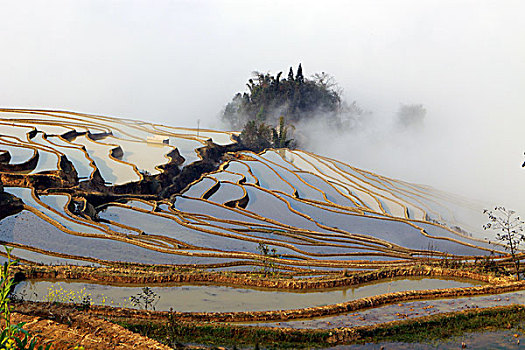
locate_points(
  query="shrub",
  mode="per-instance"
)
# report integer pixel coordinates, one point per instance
(13, 336)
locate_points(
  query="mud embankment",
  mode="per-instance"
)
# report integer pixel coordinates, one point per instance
(9, 204)
(66, 327)
(65, 177)
(171, 181)
(137, 275)
(310, 312)
(172, 326)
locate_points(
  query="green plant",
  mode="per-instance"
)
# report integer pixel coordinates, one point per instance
(13, 336)
(509, 230)
(256, 135)
(147, 299)
(85, 303)
(488, 264)
(268, 254)
(28, 342)
(280, 135)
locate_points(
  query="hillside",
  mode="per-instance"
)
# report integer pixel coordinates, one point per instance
(129, 203)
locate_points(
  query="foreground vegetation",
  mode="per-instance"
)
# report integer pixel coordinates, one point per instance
(422, 330)
(13, 335)
(172, 333)
(175, 329)
(443, 326)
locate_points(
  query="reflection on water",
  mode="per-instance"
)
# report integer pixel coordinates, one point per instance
(20, 229)
(111, 170)
(407, 310)
(134, 152)
(223, 299)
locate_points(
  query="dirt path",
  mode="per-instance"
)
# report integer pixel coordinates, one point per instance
(67, 330)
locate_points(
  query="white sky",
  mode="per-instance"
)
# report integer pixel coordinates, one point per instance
(179, 61)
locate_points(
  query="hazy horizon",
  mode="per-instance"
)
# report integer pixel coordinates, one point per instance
(174, 62)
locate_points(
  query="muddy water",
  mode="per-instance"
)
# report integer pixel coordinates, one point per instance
(407, 310)
(223, 299)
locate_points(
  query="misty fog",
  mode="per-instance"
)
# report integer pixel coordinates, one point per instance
(175, 62)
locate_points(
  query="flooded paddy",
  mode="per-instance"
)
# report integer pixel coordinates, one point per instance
(29, 255)
(210, 298)
(402, 311)
(112, 170)
(53, 208)
(13, 130)
(226, 193)
(220, 138)
(19, 154)
(198, 189)
(74, 154)
(226, 176)
(268, 178)
(243, 169)
(134, 152)
(292, 213)
(187, 148)
(21, 228)
(47, 161)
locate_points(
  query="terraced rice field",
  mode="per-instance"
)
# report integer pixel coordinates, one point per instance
(104, 192)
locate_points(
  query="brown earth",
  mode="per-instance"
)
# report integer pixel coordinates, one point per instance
(143, 275)
(9, 204)
(66, 329)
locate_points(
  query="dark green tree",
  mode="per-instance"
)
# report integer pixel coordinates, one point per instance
(290, 74)
(256, 136)
(297, 98)
(280, 135)
(299, 77)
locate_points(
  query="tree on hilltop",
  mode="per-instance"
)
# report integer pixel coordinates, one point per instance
(295, 98)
